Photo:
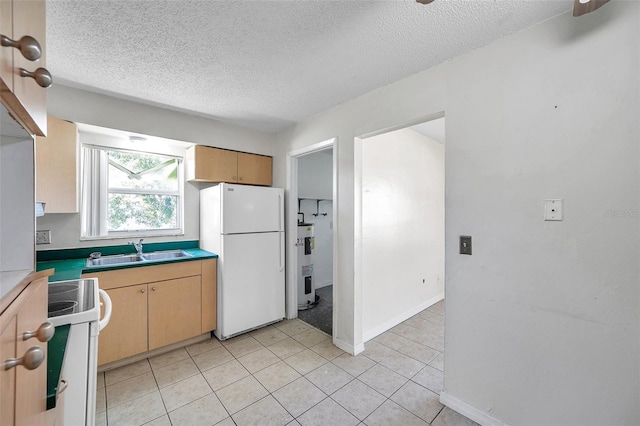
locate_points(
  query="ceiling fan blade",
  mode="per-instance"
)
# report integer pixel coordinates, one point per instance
(424, 1)
(580, 8)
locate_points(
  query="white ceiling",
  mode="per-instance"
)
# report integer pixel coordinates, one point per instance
(266, 64)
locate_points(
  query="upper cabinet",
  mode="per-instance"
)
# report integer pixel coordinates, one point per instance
(23, 76)
(57, 167)
(207, 164)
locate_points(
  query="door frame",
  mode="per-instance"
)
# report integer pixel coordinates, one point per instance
(292, 225)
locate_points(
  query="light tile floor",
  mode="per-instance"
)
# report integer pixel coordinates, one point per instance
(287, 373)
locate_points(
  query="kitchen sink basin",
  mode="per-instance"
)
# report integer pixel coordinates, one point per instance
(117, 259)
(114, 260)
(161, 255)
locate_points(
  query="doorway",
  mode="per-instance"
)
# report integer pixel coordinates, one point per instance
(311, 228)
(401, 220)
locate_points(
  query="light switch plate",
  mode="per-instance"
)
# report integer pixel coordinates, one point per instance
(553, 209)
(465, 244)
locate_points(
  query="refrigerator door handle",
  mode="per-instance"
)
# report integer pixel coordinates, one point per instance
(281, 251)
(280, 220)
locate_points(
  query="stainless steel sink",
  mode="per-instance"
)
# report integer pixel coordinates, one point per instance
(161, 255)
(135, 258)
(114, 260)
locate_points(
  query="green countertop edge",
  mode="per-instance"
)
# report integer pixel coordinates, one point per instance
(73, 268)
(83, 252)
(56, 348)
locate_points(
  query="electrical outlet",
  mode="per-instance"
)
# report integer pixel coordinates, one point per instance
(43, 237)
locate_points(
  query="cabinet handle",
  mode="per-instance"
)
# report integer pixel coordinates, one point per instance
(235, 178)
(31, 359)
(142, 291)
(44, 333)
(241, 178)
(27, 45)
(41, 76)
(153, 289)
(63, 386)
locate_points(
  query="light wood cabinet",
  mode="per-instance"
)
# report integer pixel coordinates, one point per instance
(155, 306)
(24, 392)
(168, 301)
(22, 95)
(255, 169)
(208, 164)
(126, 334)
(57, 180)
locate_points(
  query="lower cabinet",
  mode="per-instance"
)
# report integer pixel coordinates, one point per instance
(168, 301)
(23, 386)
(126, 333)
(173, 304)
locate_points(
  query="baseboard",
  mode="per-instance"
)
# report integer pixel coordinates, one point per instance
(469, 411)
(368, 335)
(150, 354)
(324, 284)
(348, 348)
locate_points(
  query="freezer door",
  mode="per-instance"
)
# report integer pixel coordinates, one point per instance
(251, 287)
(251, 209)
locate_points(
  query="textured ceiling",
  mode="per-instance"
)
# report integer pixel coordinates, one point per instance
(266, 64)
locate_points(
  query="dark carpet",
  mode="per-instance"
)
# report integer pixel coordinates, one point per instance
(321, 316)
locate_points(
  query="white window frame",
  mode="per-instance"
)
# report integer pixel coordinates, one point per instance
(95, 194)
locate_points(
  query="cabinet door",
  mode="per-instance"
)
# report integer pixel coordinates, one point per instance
(6, 53)
(126, 333)
(206, 164)
(29, 19)
(174, 311)
(7, 377)
(57, 167)
(31, 385)
(254, 169)
(209, 295)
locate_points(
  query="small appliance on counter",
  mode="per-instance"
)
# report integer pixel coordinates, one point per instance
(244, 225)
(306, 287)
(77, 303)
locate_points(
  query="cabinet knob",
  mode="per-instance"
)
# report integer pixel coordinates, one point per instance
(27, 45)
(142, 290)
(153, 289)
(44, 333)
(241, 178)
(31, 359)
(235, 178)
(41, 76)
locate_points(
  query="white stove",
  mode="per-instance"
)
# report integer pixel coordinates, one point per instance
(77, 303)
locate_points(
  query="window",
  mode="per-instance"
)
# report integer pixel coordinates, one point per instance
(130, 193)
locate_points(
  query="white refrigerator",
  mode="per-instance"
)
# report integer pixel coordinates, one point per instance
(244, 226)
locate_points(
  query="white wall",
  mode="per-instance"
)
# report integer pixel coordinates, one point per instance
(315, 175)
(402, 228)
(542, 321)
(100, 110)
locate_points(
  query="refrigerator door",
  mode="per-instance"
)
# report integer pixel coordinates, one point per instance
(247, 209)
(251, 286)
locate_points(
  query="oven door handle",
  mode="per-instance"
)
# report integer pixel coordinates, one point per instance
(107, 309)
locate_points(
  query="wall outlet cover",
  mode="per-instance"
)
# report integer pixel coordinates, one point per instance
(553, 209)
(43, 237)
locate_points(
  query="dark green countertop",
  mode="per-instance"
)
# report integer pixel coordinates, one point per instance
(69, 264)
(56, 348)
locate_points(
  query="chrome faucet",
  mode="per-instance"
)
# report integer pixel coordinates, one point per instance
(138, 246)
